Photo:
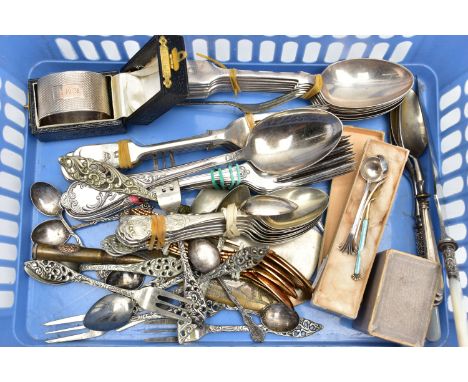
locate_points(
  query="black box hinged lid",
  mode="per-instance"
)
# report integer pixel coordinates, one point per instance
(171, 58)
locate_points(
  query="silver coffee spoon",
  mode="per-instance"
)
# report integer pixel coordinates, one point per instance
(373, 170)
(46, 198)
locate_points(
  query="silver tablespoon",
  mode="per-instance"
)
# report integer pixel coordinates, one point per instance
(268, 205)
(46, 198)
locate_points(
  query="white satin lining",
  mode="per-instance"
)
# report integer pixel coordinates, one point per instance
(131, 90)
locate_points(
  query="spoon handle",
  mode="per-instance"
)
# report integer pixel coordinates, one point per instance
(164, 267)
(70, 230)
(360, 211)
(57, 273)
(104, 177)
(210, 139)
(242, 260)
(305, 328)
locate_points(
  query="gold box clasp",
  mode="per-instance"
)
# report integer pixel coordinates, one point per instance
(169, 61)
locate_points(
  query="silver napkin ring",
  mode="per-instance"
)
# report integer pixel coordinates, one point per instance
(72, 97)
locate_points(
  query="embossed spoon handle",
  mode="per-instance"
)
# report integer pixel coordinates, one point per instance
(256, 332)
(114, 180)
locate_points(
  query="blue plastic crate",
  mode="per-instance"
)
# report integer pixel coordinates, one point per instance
(438, 62)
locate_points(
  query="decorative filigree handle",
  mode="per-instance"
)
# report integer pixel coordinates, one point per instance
(52, 272)
(162, 267)
(242, 260)
(197, 310)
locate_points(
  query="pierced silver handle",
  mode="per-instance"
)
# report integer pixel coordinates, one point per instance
(54, 272)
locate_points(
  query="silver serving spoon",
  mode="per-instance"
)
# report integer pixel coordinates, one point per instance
(234, 135)
(51, 232)
(364, 83)
(373, 170)
(46, 198)
(279, 317)
(282, 143)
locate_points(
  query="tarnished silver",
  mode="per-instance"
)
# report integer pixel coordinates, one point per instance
(147, 298)
(279, 318)
(109, 313)
(242, 260)
(72, 96)
(51, 232)
(195, 315)
(102, 177)
(203, 255)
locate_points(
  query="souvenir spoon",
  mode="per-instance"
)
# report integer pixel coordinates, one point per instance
(46, 198)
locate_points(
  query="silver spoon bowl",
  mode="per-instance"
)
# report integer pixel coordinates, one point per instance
(365, 83)
(109, 313)
(279, 318)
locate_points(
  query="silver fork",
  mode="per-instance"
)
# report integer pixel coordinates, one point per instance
(148, 298)
(168, 194)
(87, 334)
